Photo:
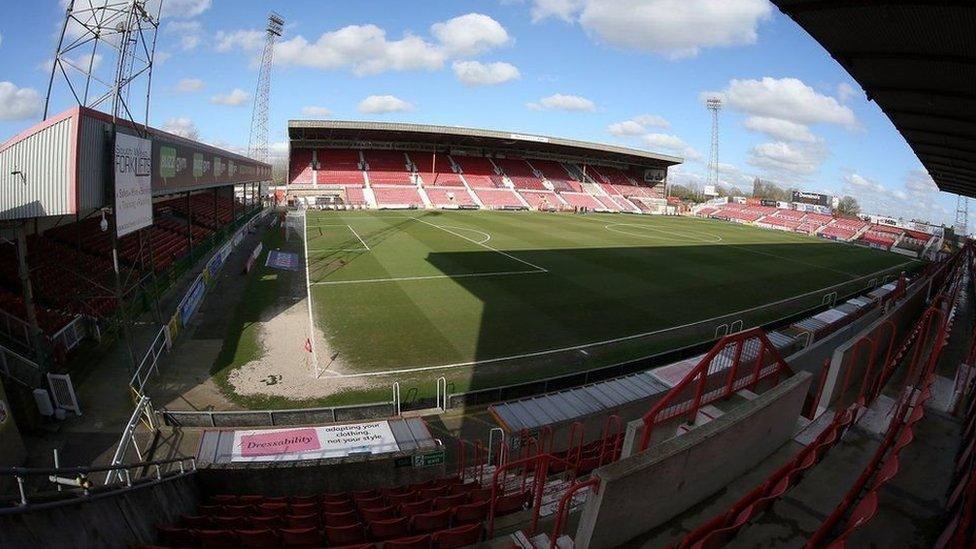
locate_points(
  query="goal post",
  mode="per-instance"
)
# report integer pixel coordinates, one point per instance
(295, 225)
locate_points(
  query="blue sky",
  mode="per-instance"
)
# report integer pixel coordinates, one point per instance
(632, 72)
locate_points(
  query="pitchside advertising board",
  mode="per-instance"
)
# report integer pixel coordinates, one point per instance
(330, 441)
(133, 183)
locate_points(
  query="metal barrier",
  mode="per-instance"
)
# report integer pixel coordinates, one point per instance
(71, 334)
(149, 362)
(756, 339)
(21, 369)
(79, 478)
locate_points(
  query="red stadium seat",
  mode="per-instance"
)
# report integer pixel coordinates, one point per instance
(391, 528)
(263, 538)
(301, 500)
(300, 537)
(336, 497)
(416, 507)
(272, 509)
(449, 502)
(251, 499)
(432, 521)
(471, 513)
(308, 520)
(378, 513)
(511, 503)
(266, 523)
(400, 499)
(303, 508)
(414, 542)
(371, 503)
(217, 539)
(229, 523)
(337, 506)
(224, 499)
(345, 535)
(196, 521)
(461, 536)
(340, 519)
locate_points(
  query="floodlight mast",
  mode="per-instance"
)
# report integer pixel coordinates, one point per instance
(124, 29)
(257, 145)
(714, 105)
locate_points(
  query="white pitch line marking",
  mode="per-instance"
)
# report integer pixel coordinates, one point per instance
(483, 233)
(426, 277)
(496, 250)
(359, 237)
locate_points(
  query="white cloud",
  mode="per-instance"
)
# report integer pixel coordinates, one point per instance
(18, 103)
(671, 143)
(362, 48)
(161, 56)
(845, 92)
(235, 98)
(189, 33)
(562, 102)
(365, 49)
(183, 127)
(475, 73)
(561, 9)
(247, 40)
(469, 34)
(674, 28)
(785, 99)
(185, 8)
(637, 125)
(861, 183)
(788, 160)
(187, 85)
(316, 111)
(777, 128)
(381, 104)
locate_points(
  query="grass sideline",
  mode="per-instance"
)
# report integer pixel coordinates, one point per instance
(415, 289)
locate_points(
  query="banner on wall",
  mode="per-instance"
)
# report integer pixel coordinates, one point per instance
(331, 441)
(133, 183)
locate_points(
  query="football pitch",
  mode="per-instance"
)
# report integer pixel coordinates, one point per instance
(494, 298)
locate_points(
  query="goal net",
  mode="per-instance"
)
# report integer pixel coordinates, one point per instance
(295, 226)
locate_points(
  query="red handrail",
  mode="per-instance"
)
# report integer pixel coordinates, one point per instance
(700, 373)
(851, 362)
(564, 506)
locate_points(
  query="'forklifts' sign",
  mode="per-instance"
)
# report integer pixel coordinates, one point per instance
(133, 183)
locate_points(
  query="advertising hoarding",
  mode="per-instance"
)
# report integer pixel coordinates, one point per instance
(330, 441)
(815, 199)
(133, 183)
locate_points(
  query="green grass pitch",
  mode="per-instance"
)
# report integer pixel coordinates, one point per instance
(413, 295)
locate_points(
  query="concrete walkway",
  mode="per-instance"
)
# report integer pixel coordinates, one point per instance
(102, 384)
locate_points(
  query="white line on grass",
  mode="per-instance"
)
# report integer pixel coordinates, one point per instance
(426, 277)
(496, 250)
(308, 297)
(359, 237)
(605, 342)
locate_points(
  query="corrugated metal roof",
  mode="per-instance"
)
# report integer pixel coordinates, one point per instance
(917, 61)
(460, 137)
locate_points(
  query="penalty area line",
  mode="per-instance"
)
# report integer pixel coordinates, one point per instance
(483, 245)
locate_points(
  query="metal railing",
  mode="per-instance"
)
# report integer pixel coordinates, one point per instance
(20, 368)
(77, 482)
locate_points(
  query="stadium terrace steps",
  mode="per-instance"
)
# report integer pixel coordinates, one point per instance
(300, 171)
(542, 200)
(339, 167)
(387, 168)
(450, 196)
(397, 196)
(521, 174)
(500, 198)
(582, 200)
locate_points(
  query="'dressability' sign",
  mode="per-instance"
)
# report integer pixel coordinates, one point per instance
(331, 441)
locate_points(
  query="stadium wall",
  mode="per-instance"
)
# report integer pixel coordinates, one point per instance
(114, 519)
(641, 492)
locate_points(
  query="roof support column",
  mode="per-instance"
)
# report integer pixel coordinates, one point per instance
(23, 273)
